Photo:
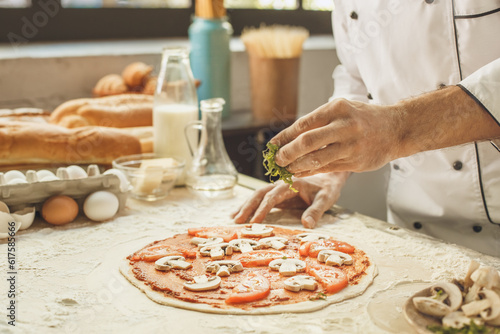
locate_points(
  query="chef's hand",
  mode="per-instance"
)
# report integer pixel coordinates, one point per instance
(316, 193)
(354, 136)
(341, 135)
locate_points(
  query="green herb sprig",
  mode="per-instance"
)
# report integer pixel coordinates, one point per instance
(273, 169)
(319, 296)
(472, 328)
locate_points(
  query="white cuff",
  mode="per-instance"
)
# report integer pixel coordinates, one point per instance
(484, 87)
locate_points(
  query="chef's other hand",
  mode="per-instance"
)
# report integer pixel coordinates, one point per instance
(316, 193)
(339, 136)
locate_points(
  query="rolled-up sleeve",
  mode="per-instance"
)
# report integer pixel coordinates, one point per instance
(484, 87)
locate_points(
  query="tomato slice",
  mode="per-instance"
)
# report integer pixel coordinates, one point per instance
(333, 279)
(259, 258)
(340, 246)
(227, 234)
(254, 287)
(156, 252)
(304, 248)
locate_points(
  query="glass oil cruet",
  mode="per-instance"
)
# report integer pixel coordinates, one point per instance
(175, 105)
(212, 173)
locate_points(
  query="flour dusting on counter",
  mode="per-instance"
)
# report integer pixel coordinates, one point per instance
(68, 279)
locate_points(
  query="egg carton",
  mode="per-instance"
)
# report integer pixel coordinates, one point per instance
(34, 191)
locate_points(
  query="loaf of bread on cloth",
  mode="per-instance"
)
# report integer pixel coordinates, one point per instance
(119, 111)
(31, 143)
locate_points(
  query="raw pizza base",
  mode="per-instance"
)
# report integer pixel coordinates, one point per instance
(301, 307)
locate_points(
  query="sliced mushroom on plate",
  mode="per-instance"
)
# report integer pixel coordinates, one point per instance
(458, 319)
(491, 314)
(203, 283)
(483, 277)
(445, 298)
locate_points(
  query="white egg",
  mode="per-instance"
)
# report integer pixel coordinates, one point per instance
(124, 183)
(25, 216)
(17, 181)
(49, 178)
(101, 205)
(76, 172)
(5, 227)
(14, 174)
(43, 173)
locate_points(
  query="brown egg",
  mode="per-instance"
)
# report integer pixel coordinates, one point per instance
(59, 210)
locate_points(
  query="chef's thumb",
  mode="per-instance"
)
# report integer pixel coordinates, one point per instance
(313, 213)
(311, 216)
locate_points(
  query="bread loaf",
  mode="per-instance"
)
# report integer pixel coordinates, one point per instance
(25, 143)
(111, 84)
(136, 74)
(126, 110)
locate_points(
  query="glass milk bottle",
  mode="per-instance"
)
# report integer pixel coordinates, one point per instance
(175, 105)
(211, 174)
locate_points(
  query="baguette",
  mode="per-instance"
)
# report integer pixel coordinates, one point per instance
(23, 143)
(125, 110)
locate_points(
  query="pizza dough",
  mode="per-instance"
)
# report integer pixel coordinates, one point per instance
(168, 292)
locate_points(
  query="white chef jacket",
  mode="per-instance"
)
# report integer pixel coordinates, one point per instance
(395, 49)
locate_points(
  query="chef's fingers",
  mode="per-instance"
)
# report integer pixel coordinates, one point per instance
(248, 208)
(318, 159)
(323, 201)
(274, 197)
(337, 166)
(305, 143)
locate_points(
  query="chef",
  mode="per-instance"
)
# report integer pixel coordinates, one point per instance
(419, 87)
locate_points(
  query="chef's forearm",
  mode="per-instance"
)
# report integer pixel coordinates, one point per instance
(443, 118)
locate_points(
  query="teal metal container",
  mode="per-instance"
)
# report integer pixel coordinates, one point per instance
(210, 58)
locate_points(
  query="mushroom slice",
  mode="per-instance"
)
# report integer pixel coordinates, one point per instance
(202, 242)
(301, 282)
(224, 268)
(445, 298)
(458, 319)
(334, 258)
(447, 293)
(305, 237)
(430, 306)
(203, 283)
(217, 251)
(172, 262)
(476, 307)
(493, 312)
(484, 277)
(257, 230)
(288, 267)
(245, 245)
(274, 242)
(473, 266)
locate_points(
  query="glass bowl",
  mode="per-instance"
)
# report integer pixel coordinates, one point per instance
(151, 176)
